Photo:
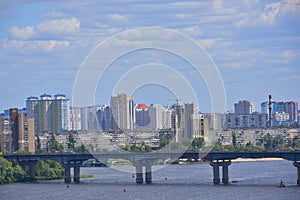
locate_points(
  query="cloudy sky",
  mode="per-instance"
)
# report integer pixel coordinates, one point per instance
(254, 44)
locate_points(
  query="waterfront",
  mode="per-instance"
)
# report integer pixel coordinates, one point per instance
(252, 180)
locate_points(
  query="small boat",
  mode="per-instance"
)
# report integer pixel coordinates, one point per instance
(281, 184)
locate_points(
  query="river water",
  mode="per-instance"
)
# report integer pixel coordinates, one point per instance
(251, 180)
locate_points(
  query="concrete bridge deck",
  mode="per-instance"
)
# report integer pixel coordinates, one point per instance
(147, 159)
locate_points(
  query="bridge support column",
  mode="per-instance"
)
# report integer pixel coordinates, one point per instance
(139, 173)
(297, 164)
(31, 164)
(76, 173)
(67, 173)
(225, 178)
(32, 171)
(216, 172)
(148, 173)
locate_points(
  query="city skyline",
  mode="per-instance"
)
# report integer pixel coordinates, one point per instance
(254, 44)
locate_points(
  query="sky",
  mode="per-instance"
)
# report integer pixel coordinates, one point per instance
(254, 45)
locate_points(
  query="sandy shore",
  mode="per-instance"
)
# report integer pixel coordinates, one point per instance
(255, 159)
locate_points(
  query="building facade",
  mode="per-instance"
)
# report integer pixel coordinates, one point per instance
(282, 113)
(50, 115)
(123, 113)
(17, 132)
(244, 107)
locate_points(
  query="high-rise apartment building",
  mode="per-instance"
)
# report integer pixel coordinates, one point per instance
(50, 115)
(123, 113)
(104, 116)
(244, 107)
(142, 116)
(281, 112)
(182, 123)
(17, 132)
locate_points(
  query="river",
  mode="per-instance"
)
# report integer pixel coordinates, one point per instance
(251, 180)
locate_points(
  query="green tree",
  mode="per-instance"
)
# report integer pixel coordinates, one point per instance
(38, 144)
(54, 145)
(48, 169)
(268, 141)
(80, 149)
(277, 142)
(10, 173)
(197, 143)
(71, 141)
(233, 139)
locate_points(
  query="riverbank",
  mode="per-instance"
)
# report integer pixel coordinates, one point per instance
(255, 159)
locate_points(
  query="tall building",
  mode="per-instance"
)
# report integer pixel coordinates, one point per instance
(282, 113)
(122, 107)
(105, 118)
(26, 137)
(199, 126)
(50, 115)
(216, 121)
(244, 107)
(182, 121)
(17, 132)
(6, 135)
(142, 116)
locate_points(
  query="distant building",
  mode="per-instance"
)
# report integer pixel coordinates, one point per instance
(50, 115)
(216, 121)
(122, 107)
(282, 113)
(142, 116)
(186, 123)
(199, 126)
(17, 132)
(105, 118)
(250, 121)
(244, 107)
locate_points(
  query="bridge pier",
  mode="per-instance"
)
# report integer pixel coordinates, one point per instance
(31, 164)
(216, 171)
(297, 164)
(148, 173)
(76, 167)
(76, 173)
(67, 173)
(139, 174)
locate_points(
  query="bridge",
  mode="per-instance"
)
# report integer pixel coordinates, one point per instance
(147, 160)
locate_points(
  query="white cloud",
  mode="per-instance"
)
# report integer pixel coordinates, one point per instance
(22, 33)
(46, 28)
(209, 43)
(30, 47)
(61, 26)
(118, 17)
(273, 10)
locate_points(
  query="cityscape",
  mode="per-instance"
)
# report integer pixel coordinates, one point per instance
(149, 99)
(126, 122)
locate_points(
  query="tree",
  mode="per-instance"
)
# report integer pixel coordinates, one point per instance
(233, 139)
(71, 141)
(268, 141)
(10, 173)
(54, 145)
(197, 143)
(38, 144)
(277, 142)
(80, 149)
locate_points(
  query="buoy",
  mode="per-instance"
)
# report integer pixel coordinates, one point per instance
(124, 190)
(67, 186)
(166, 178)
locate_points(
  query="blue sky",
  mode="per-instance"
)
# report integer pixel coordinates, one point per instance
(255, 45)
